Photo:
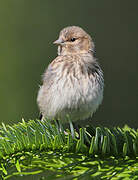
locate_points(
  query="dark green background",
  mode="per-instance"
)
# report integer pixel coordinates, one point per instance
(27, 30)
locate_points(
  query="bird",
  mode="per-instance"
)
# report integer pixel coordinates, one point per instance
(73, 82)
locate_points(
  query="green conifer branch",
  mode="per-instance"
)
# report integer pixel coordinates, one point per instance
(28, 139)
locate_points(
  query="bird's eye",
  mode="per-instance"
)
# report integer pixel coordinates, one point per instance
(73, 39)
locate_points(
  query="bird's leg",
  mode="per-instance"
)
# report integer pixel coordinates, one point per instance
(77, 128)
(40, 116)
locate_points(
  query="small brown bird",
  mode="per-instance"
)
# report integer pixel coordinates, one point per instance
(73, 83)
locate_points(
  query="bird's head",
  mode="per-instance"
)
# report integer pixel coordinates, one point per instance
(74, 40)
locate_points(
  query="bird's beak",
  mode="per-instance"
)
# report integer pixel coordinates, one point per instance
(58, 41)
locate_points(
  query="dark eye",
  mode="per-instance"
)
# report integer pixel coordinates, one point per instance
(73, 39)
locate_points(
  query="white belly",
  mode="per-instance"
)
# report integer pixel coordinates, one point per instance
(62, 99)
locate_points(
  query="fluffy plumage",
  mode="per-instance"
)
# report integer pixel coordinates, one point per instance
(73, 82)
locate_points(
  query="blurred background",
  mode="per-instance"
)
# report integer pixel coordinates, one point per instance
(27, 30)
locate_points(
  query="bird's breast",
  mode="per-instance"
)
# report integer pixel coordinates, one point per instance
(74, 90)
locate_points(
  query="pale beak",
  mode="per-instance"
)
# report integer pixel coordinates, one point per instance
(58, 41)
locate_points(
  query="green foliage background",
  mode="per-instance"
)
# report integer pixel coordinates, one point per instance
(27, 30)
